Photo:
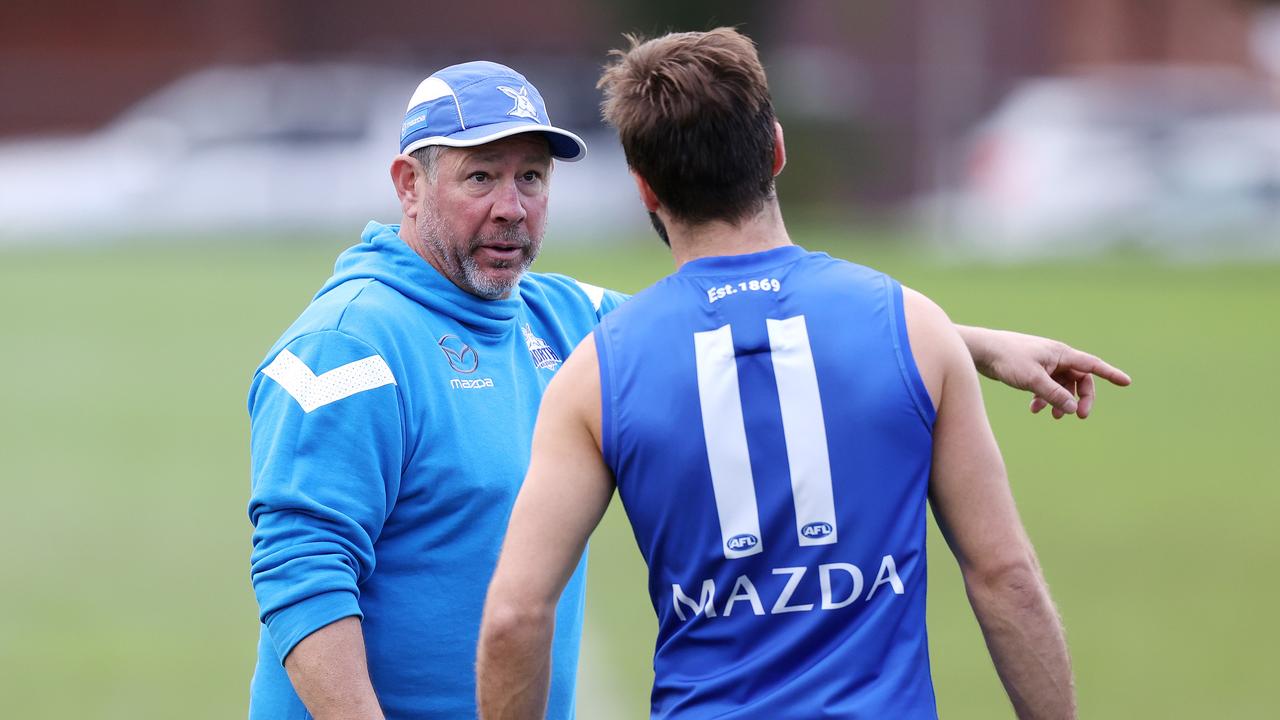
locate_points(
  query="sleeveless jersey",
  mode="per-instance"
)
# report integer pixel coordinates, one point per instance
(771, 439)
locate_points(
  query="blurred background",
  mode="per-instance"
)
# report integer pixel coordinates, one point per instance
(176, 178)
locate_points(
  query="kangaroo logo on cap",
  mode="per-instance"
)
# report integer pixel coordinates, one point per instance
(524, 106)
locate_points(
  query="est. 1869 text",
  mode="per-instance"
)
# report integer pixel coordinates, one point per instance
(760, 285)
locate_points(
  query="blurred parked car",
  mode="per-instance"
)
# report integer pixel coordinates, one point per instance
(1224, 177)
(1136, 155)
(275, 147)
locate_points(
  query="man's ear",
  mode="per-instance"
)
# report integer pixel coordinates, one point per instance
(779, 149)
(647, 196)
(405, 173)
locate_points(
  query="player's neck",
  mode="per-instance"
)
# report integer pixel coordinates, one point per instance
(761, 232)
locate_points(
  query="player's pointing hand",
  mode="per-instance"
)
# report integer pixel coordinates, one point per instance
(1059, 375)
(1066, 374)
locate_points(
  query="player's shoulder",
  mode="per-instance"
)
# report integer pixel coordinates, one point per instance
(921, 309)
(582, 364)
(934, 342)
(576, 385)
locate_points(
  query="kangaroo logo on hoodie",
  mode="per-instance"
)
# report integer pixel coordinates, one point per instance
(543, 356)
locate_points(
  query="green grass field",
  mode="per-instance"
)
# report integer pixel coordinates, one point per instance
(123, 455)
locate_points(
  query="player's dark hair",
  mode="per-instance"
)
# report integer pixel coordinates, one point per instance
(694, 116)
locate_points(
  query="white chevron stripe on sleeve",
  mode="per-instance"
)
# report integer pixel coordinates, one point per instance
(315, 391)
(595, 294)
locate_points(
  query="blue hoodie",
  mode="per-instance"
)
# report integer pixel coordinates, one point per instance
(390, 431)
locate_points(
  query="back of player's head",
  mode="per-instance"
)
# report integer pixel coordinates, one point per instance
(694, 116)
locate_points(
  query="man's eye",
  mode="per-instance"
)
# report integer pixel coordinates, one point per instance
(478, 176)
(532, 175)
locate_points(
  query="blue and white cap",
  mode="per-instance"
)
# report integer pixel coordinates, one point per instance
(478, 102)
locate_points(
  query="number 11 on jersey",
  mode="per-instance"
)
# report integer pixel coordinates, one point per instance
(803, 430)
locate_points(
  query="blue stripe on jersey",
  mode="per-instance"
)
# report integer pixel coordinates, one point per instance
(771, 440)
(608, 446)
(907, 361)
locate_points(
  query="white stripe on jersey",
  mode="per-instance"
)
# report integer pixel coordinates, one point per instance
(726, 439)
(804, 430)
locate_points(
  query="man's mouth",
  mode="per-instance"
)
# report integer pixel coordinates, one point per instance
(502, 252)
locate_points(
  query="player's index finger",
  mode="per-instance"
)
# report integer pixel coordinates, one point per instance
(1085, 362)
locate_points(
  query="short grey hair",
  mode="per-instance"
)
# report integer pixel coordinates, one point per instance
(429, 157)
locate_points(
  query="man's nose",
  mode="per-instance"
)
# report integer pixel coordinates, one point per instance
(508, 206)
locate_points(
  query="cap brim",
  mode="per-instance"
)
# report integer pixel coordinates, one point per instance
(564, 144)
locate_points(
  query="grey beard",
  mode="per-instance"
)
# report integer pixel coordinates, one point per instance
(482, 285)
(462, 267)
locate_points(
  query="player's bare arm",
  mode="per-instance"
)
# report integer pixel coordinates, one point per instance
(971, 499)
(1057, 374)
(328, 669)
(564, 495)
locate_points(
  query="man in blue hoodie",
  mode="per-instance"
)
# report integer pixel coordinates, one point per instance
(391, 423)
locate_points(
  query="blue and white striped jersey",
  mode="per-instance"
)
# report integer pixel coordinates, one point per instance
(771, 438)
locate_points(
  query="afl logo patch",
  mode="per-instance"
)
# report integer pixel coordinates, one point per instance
(816, 530)
(459, 354)
(742, 542)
